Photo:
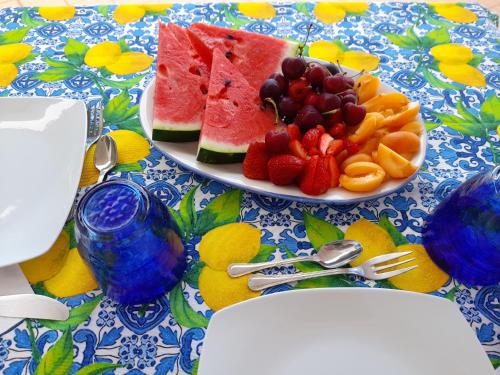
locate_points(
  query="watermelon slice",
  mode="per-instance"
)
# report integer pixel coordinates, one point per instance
(256, 56)
(233, 117)
(181, 87)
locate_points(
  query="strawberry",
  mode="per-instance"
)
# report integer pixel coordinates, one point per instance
(314, 151)
(316, 178)
(338, 130)
(283, 169)
(341, 156)
(351, 147)
(324, 142)
(297, 149)
(255, 162)
(333, 119)
(294, 131)
(335, 147)
(334, 171)
(311, 138)
(321, 129)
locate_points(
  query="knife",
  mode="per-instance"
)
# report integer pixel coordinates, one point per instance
(32, 306)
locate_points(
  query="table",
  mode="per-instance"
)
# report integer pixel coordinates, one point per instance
(166, 337)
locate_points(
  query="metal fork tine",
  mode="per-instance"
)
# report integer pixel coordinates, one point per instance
(94, 120)
(393, 264)
(99, 129)
(386, 275)
(386, 257)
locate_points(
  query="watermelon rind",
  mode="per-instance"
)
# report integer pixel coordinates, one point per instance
(175, 135)
(219, 157)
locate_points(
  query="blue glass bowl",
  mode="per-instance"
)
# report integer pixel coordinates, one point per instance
(129, 240)
(462, 235)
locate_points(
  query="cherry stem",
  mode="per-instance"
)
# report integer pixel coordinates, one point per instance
(277, 117)
(303, 45)
(331, 112)
(340, 68)
(361, 72)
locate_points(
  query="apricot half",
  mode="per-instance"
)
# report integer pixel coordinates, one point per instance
(394, 101)
(401, 142)
(394, 164)
(408, 114)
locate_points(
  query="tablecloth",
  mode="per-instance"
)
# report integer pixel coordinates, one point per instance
(44, 52)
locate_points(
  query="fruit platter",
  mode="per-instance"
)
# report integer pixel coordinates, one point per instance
(249, 110)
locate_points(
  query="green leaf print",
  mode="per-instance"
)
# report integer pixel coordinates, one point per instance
(302, 8)
(410, 41)
(264, 253)
(340, 44)
(320, 232)
(466, 115)
(303, 266)
(188, 212)
(77, 315)
(75, 51)
(55, 74)
(231, 18)
(28, 58)
(436, 82)
(430, 125)
(59, 358)
(131, 167)
(123, 84)
(123, 45)
(13, 36)
(490, 112)
(103, 10)
(436, 37)
(195, 367)
(178, 221)
(222, 210)
(97, 368)
(395, 234)
(476, 60)
(182, 312)
(191, 277)
(29, 21)
(460, 125)
(133, 124)
(116, 110)
(57, 63)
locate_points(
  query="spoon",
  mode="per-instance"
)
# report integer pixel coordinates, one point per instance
(330, 255)
(105, 156)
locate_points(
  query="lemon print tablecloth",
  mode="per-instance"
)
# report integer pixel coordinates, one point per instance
(446, 56)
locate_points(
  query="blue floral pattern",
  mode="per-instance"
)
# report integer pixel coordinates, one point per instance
(147, 339)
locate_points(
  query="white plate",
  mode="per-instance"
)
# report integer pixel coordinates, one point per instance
(185, 154)
(342, 331)
(42, 147)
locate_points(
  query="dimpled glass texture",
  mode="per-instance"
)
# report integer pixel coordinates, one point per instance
(462, 235)
(128, 238)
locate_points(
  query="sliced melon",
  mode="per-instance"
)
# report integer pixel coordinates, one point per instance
(181, 87)
(233, 117)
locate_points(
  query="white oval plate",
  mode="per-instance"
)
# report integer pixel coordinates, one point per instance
(185, 155)
(342, 331)
(42, 147)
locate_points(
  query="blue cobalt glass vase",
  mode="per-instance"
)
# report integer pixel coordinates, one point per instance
(462, 235)
(130, 241)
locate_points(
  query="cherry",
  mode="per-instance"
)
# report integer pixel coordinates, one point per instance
(293, 67)
(335, 84)
(353, 114)
(277, 140)
(348, 92)
(328, 102)
(348, 99)
(312, 99)
(349, 81)
(333, 119)
(308, 117)
(282, 81)
(288, 107)
(332, 68)
(338, 130)
(298, 90)
(270, 89)
(315, 74)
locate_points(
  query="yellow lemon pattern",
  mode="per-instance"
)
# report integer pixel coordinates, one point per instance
(332, 52)
(9, 55)
(109, 55)
(454, 12)
(131, 148)
(453, 62)
(57, 13)
(333, 12)
(257, 10)
(124, 14)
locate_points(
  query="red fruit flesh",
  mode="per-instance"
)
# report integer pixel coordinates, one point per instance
(294, 132)
(255, 162)
(351, 147)
(335, 147)
(334, 171)
(338, 130)
(324, 143)
(283, 169)
(316, 177)
(341, 157)
(297, 149)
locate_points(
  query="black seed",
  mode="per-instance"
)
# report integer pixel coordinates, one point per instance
(230, 37)
(227, 82)
(229, 55)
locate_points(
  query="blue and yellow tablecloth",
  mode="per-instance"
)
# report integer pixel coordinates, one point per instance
(446, 56)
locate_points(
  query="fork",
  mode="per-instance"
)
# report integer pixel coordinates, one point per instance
(94, 125)
(368, 270)
(94, 132)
